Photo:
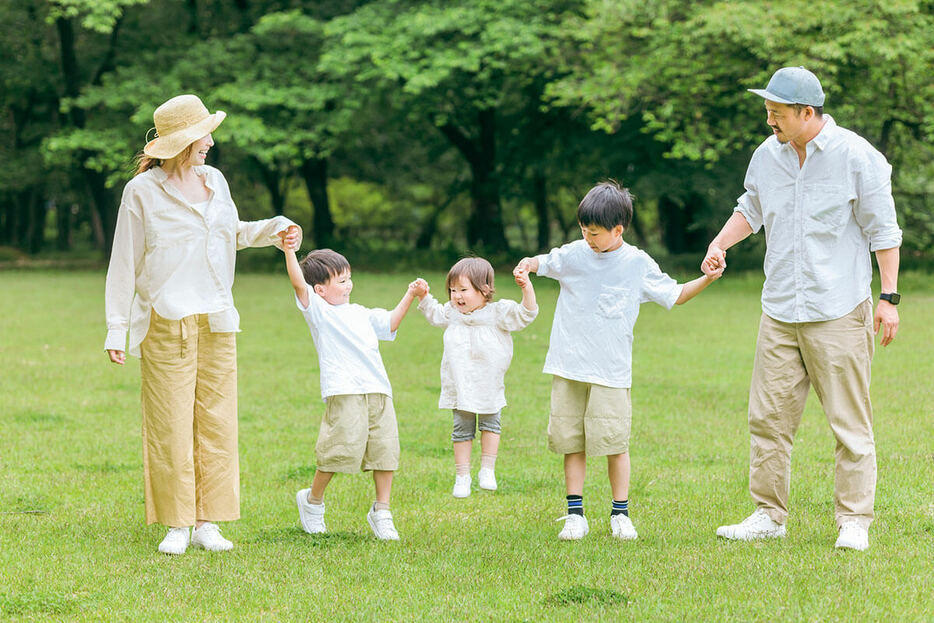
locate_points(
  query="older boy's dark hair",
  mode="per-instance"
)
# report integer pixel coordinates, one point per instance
(606, 205)
(479, 273)
(322, 264)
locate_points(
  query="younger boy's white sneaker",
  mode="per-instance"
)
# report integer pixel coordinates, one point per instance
(461, 486)
(575, 527)
(757, 526)
(486, 478)
(175, 542)
(853, 536)
(310, 515)
(208, 537)
(621, 527)
(381, 522)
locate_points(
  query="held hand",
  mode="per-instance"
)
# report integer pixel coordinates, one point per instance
(291, 237)
(887, 318)
(715, 261)
(524, 266)
(117, 356)
(522, 276)
(419, 288)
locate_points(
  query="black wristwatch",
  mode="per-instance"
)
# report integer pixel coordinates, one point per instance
(891, 297)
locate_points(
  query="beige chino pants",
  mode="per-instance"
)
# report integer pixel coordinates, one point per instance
(834, 356)
(189, 403)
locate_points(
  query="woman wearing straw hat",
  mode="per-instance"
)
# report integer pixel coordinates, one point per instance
(169, 287)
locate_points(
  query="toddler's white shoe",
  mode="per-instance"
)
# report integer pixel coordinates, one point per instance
(208, 537)
(757, 526)
(486, 478)
(310, 515)
(381, 523)
(461, 486)
(575, 527)
(621, 527)
(175, 542)
(853, 536)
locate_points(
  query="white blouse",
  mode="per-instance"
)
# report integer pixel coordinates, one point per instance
(477, 352)
(175, 257)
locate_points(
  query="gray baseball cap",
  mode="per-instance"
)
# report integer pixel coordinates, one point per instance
(793, 85)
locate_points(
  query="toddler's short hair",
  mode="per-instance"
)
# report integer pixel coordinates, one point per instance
(606, 205)
(478, 272)
(322, 264)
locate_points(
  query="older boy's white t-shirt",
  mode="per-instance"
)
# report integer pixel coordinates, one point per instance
(347, 339)
(591, 337)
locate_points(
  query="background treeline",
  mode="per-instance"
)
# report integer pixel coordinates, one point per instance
(398, 128)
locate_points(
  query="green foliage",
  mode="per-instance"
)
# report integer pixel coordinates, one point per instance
(97, 15)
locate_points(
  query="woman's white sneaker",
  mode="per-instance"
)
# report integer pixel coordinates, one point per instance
(486, 478)
(757, 526)
(621, 527)
(208, 537)
(853, 536)
(175, 542)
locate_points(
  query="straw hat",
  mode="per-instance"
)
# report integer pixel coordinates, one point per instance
(180, 122)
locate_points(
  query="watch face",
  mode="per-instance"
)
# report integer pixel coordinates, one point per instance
(892, 298)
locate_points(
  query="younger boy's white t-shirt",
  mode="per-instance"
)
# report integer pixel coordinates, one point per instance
(347, 339)
(591, 337)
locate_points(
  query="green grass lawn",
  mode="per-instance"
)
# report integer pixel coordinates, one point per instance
(74, 545)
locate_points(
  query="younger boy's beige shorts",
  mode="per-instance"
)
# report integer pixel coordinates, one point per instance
(588, 418)
(358, 432)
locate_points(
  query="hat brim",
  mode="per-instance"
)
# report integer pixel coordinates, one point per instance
(770, 96)
(169, 146)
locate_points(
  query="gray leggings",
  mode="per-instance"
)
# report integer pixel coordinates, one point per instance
(465, 424)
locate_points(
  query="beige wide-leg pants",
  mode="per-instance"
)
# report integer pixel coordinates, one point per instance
(834, 356)
(189, 403)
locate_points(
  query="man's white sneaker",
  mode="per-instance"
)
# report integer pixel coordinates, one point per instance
(757, 526)
(208, 537)
(381, 522)
(853, 536)
(311, 515)
(621, 527)
(486, 478)
(575, 527)
(175, 542)
(461, 486)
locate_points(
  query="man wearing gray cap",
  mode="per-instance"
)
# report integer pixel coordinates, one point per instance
(824, 197)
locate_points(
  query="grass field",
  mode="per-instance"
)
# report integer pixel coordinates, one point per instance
(74, 545)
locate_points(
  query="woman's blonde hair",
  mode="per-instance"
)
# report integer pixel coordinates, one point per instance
(143, 162)
(478, 272)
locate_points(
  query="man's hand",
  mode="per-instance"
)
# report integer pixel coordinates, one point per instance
(715, 261)
(886, 318)
(117, 356)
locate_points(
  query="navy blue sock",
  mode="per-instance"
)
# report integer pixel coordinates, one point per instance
(575, 505)
(620, 508)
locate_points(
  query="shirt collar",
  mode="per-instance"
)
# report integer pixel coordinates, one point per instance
(161, 176)
(826, 133)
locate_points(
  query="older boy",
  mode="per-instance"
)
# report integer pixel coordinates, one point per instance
(358, 431)
(603, 281)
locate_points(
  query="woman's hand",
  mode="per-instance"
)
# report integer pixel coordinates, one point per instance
(117, 356)
(291, 237)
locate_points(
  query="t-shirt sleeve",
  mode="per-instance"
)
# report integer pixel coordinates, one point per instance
(748, 204)
(552, 264)
(658, 287)
(380, 320)
(312, 313)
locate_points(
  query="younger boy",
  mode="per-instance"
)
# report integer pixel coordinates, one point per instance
(358, 431)
(603, 281)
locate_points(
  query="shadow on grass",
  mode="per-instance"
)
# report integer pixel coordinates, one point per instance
(577, 595)
(297, 536)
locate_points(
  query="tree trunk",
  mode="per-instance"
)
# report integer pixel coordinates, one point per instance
(35, 230)
(485, 225)
(540, 198)
(315, 173)
(272, 179)
(64, 225)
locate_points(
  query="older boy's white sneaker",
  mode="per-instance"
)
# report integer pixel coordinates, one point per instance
(621, 527)
(461, 486)
(311, 515)
(381, 522)
(486, 478)
(757, 526)
(175, 542)
(208, 537)
(853, 536)
(575, 527)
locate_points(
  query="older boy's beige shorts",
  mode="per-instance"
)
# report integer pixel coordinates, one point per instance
(358, 432)
(588, 418)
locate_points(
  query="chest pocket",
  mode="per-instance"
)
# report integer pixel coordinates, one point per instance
(614, 302)
(829, 208)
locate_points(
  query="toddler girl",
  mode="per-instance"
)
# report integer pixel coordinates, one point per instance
(477, 352)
